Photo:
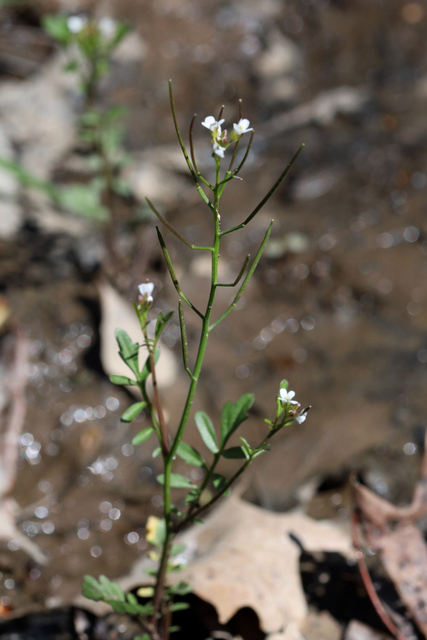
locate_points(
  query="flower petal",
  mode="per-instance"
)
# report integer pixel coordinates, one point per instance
(146, 288)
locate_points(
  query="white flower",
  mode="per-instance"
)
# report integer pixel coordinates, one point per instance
(212, 124)
(76, 24)
(218, 150)
(107, 26)
(301, 418)
(145, 291)
(242, 126)
(286, 396)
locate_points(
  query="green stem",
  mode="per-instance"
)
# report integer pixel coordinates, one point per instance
(168, 459)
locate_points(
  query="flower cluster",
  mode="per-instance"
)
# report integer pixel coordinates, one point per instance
(78, 23)
(286, 400)
(220, 140)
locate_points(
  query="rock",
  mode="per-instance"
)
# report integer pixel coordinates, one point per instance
(131, 49)
(316, 185)
(153, 175)
(277, 67)
(39, 115)
(281, 57)
(322, 110)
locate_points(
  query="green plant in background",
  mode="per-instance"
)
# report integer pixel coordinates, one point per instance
(155, 616)
(88, 45)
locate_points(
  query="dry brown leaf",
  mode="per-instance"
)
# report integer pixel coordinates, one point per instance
(12, 414)
(358, 631)
(393, 532)
(243, 556)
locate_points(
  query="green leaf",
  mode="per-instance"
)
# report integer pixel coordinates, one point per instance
(161, 323)
(156, 452)
(177, 481)
(104, 589)
(121, 30)
(259, 452)
(128, 351)
(180, 589)
(177, 549)
(192, 497)
(179, 606)
(206, 430)
(119, 607)
(233, 415)
(123, 380)
(284, 384)
(115, 113)
(111, 590)
(146, 369)
(219, 481)
(234, 453)
(84, 200)
(187, 453)
(57, 27)
(91, 589)
(144, 637)
(133, 411)
(247, 449)
(70, 67)
(143, 435)
(27, 179)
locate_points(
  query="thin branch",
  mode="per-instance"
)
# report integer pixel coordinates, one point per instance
(159, 408)
(245, 157)
(221, 111)
(193, 155)
(247, 278)
(196, 514)
(233, 175)
(242, 271)
(267, 197)
(190, 136)
(240, 108)
(184, 342)
(233, 157)
(184, 151)
(173, 230)
(173, 275)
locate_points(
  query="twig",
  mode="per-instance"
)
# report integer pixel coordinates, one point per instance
(367, 581)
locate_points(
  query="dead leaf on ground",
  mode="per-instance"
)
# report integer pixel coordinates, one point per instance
(358, 631)
(244, 556)
(12, 414)
(395, 534)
